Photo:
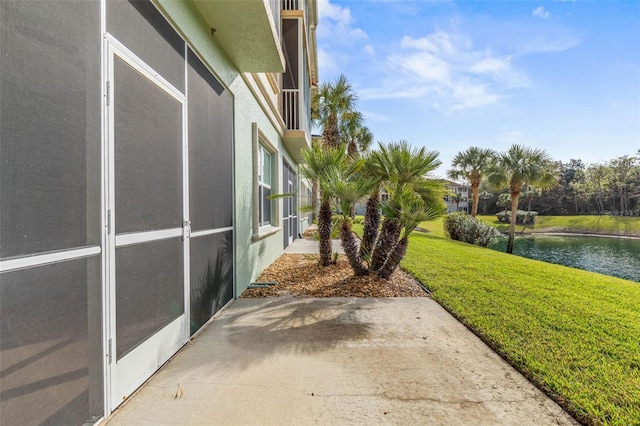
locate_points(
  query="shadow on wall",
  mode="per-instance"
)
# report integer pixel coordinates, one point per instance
(213, 287)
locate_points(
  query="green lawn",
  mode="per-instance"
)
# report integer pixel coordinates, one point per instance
(576, 334)
(612, 225)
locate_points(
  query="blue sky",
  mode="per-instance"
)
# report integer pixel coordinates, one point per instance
(561, 75)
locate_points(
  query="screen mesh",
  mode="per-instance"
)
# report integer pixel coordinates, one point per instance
(50, 133)
(148, 153)
(210, 149)
(51, 344)
(211, 276)
(143, 29)
(149, 290)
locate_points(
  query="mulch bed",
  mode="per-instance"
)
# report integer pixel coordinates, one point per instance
(301, 275)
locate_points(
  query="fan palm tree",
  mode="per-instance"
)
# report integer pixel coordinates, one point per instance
(347, 183)
(331, 103)
(318, 161)
(517, 166)
(355, 135)
(471, 165)
(401, 166)
(415, 209)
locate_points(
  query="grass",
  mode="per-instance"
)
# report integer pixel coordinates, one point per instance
(608, 225)
(576, 334)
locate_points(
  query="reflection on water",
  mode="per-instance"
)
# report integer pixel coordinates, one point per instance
(618, 257)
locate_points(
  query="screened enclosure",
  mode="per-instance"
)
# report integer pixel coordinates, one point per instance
(116, 209)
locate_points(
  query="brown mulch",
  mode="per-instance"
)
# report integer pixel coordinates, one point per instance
(301, 275)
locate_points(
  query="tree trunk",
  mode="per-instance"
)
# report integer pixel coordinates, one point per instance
(324, 232)
(350, 247)
(388, 238)
(396, 255)
(352, 149)
(512, 226)
(331, 133)
(314, 200)
(475, 191)
(371, 225)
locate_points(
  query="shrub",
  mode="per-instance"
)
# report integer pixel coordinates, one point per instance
(462, 227)
(522, 217)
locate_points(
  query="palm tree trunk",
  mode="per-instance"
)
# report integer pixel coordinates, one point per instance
(314, 200)
(371, 225)
(350, 247)
(512, 226)
(324, 232)
(388, 238)
(475, 191)
(396, 255)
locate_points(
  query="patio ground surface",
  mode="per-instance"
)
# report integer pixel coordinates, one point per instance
(298, 361)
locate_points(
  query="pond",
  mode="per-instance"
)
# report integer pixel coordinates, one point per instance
(618, 257)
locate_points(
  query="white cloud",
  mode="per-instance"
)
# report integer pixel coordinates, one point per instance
(446, 68)
(369, 50)
(326, 63)
(336, 24)
(374, 116)
(540, 12)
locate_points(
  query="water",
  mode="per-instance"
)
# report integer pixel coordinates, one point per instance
(618, 257)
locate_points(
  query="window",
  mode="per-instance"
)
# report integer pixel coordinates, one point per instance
(266, 212)
(264, 186)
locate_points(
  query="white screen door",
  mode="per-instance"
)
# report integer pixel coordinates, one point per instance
(147, 231)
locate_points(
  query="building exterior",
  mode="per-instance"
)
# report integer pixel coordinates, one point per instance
(457, 198)
(139, 144)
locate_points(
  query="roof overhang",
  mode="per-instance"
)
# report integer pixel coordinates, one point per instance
(247, 32)
(295, 141)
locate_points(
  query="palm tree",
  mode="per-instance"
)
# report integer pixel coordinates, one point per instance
(415, 209)
(348, 184)
(471, 165)
(403, 170)
(530, 192)
(331, 103)
(350, 126)
(318, 161)
(517, 166)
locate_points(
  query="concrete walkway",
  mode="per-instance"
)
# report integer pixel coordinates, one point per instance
(340, 361)
(303, 246)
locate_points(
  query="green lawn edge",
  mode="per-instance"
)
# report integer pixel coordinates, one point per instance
(575, 334)
(627, 226)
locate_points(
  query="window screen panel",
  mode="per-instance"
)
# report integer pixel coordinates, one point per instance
(211, 275)
(148, 153)
(266, 206)
(210, 149)
(50, 133)
(51, 344)
(143, 29)
(290, 49)
(149, 290)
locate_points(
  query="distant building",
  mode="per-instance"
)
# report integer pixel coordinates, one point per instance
(459, 203)
(361, 205)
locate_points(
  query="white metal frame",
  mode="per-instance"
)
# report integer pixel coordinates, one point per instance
(125, 375)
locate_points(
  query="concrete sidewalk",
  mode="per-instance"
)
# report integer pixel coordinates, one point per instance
(304, 246)
(294, 361)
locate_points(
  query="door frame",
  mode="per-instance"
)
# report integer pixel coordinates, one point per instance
(174, 335)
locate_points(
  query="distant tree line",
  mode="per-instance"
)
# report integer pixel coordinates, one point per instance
(605, 188)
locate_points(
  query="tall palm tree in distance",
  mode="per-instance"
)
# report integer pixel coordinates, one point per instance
(471, 165)
(332, 101)
(514, 168)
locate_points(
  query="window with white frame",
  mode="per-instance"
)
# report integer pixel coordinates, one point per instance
(264, 186)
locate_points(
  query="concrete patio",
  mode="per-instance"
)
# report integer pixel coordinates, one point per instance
(297, 361)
